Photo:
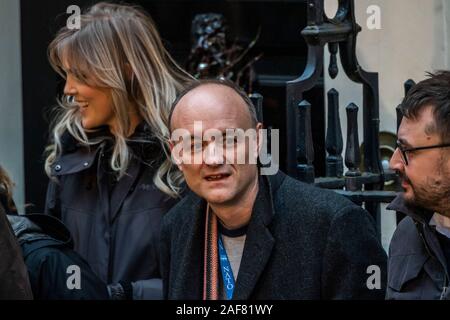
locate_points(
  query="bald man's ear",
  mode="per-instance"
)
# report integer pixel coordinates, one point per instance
(260, 137)
(175, 155)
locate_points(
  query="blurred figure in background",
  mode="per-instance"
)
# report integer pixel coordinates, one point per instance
(47, 249)
(14, 283)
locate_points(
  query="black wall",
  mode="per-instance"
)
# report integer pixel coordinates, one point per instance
(281, 43)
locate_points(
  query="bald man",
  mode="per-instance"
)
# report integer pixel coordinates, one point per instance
(243, 235)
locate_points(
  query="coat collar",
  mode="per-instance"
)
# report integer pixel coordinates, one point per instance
(257, 249)
(76, 157)
(422, 219)
(187, 282)
(259, 241)
(416, 213)
(37, 226)
(81, 159)
(258, 244)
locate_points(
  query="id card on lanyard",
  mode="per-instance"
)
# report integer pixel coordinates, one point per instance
(227, 272)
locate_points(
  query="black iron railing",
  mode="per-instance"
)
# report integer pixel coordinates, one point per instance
(362, 182)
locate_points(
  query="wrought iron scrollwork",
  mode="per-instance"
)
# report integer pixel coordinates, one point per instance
(340, 33)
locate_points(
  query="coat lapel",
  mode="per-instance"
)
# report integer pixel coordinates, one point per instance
(75, 162)
(258, 245)
(187, 282)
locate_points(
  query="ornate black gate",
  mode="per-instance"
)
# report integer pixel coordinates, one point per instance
(364, 180)
(362, 183)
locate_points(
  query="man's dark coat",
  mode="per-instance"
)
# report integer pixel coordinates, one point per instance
(417, 265)
(302, 243)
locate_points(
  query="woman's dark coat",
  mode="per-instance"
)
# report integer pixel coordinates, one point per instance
(115, 224)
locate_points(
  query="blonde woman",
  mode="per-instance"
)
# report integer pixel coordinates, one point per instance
(111, 179)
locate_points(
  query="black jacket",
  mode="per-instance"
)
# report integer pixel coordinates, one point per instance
(14, 282)
(417, 267)
(47, 249)
(302, 243)
(115, 224)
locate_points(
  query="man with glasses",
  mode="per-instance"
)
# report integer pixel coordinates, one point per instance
(419, 254)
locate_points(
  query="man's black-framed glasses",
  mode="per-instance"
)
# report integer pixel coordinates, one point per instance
(404, 151)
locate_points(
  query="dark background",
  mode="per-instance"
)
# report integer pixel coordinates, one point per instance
(284, 58)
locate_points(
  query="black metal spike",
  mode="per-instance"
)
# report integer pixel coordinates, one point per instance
(305, 148)
(399, 114)
(352, 153)
(408, 85)
(333, 142)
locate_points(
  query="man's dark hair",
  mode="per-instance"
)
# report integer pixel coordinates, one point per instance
(222, 82)
(435, 92)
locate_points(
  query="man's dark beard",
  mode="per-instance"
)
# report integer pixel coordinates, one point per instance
(430, 196)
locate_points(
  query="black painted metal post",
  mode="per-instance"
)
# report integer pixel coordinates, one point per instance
(334, 143)
(408, 85)
(398, 112)
(352, 154)
(305, 147)
(340, 33)
(307, 81)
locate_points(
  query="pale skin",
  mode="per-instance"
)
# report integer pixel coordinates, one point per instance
(236, 216)
(233, 196)
(95, 104)
(426, 178)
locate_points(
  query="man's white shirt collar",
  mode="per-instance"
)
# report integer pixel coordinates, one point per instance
(442, 224)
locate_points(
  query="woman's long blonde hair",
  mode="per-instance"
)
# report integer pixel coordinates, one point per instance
(118, 47)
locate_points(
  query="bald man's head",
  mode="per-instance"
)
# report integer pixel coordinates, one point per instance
(215, 142)
(214, 93)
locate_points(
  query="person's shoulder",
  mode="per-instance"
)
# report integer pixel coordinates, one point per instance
(44, 256)
(182, 209)
(406, 238)
(406, 225)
